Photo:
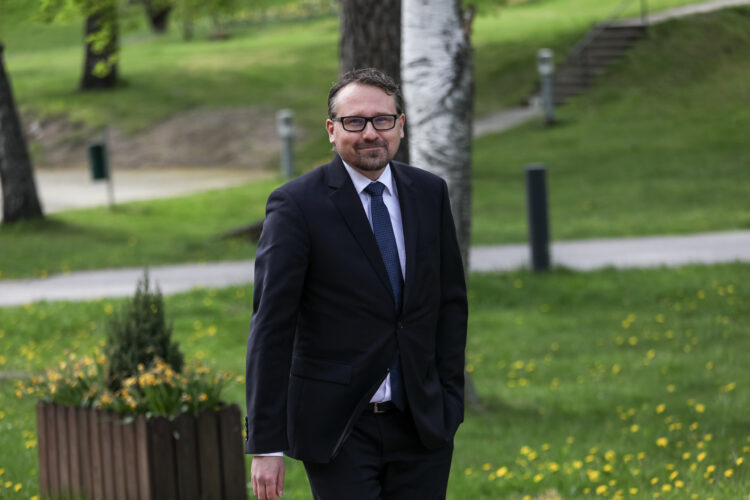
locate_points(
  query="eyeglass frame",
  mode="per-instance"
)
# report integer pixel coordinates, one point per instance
(367, 120)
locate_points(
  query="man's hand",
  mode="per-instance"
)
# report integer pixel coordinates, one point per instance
(267, 474)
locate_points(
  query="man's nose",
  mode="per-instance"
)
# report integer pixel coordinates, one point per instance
(369, 131)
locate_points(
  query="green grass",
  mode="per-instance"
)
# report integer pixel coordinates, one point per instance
(580, 374)
(137, 234)
(658, 146)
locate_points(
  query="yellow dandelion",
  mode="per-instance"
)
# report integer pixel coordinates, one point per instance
(700, 408)
(486, 467)
(538, 477)
(666, 487)
(502, 471)
(633, 491)
(577, 464)
(635, 428)
(660, 408)
(728, 473)
(468, 471)
(601, 489)
(662, 442)
(203, 397)
(593, 475)
(739, 461)
(679, 484)
(654, 480)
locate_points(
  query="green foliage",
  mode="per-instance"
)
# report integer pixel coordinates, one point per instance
(139, 336)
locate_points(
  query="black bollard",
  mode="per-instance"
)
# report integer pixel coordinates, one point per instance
(538, 216)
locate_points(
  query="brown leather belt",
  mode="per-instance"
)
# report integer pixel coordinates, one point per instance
(383, 407)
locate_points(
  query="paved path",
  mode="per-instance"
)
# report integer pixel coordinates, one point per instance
(583, 255)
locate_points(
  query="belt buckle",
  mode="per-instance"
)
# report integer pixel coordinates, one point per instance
(376, 408)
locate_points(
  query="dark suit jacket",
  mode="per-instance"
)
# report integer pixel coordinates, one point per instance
(324, 329)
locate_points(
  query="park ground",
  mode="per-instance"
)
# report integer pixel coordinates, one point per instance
(609, 383)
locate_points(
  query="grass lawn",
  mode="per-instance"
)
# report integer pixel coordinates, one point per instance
(657, 147)
(593, 383)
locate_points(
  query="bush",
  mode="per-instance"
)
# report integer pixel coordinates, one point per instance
(139, 335)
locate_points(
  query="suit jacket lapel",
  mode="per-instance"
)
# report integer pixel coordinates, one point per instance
(346, 200)
(407, 198)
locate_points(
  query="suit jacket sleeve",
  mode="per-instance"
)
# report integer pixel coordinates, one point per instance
(280, 267)
(452, 319)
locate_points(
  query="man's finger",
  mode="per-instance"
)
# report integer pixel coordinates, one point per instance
(280, 482)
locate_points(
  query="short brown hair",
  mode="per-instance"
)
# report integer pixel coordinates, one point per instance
(367, 76)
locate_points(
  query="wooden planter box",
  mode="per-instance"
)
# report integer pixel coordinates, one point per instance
(98, 454)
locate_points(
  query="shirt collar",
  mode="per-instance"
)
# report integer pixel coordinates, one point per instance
(361, 182)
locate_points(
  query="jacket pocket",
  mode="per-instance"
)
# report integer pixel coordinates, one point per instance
(320, 369)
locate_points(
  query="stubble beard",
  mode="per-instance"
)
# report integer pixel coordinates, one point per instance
(372, 160)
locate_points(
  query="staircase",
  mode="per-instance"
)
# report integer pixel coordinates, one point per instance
(603, 45)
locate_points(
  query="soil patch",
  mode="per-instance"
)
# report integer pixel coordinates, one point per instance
(231, 137)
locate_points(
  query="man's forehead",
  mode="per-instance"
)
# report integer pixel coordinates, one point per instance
(357, 94)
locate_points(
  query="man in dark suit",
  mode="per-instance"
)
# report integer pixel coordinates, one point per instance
(355, 356)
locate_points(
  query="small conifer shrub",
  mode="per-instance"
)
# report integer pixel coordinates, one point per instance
(139, 335)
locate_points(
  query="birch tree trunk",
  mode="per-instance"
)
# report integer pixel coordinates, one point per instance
(438, 85)
(20, 200)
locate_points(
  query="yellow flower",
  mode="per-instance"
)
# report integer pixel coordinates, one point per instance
(739, 461)
(666, 487)
(635, 428)
(662, 442)
(577, 464)
(660, 409)
(203, 397)
(17, 487)
(106, 399)
(700, 408)
(502, 471)
(728, 473)
(486, 467)
(468, 471)
(679, 484)
(592, 474)
(538, 478)
(601, 489)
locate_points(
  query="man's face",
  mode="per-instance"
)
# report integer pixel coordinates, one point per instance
(370, 150)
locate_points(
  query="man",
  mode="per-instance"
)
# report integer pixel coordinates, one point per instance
(355, 355)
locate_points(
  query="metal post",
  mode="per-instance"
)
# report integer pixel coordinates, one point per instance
(546, 68)
(285, 127)
(538, 216)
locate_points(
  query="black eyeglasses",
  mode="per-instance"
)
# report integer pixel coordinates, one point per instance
(358, 123)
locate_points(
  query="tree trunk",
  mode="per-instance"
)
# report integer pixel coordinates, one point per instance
(102, 48)
(371, 38)
(438, 84)
(158, 14)
(20, 200)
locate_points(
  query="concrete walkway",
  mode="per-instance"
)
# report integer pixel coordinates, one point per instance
(584, 255)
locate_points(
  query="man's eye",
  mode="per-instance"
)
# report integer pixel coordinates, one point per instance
(354, 122)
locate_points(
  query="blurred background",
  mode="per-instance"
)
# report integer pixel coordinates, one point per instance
(152, 137)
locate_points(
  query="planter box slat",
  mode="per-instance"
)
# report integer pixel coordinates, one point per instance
(144, 478)
(209, 456)
(104, 421)
(84, 448)
(43, 446)
(186, 454)
(97, 462)
(118, 458)
(130, 460)
(53, 472)
(95, 454)
(232, 453)
(162, 470)
(74, 455)
(63, 459)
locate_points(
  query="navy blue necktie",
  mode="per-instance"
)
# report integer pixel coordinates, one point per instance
(383, 230)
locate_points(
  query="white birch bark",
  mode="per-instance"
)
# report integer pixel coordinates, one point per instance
(438, 86)
(437, 80)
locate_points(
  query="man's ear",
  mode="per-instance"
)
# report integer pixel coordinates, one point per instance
(402, 119)
(329, 128)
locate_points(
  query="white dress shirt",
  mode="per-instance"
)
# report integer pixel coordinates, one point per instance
(390, 198)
